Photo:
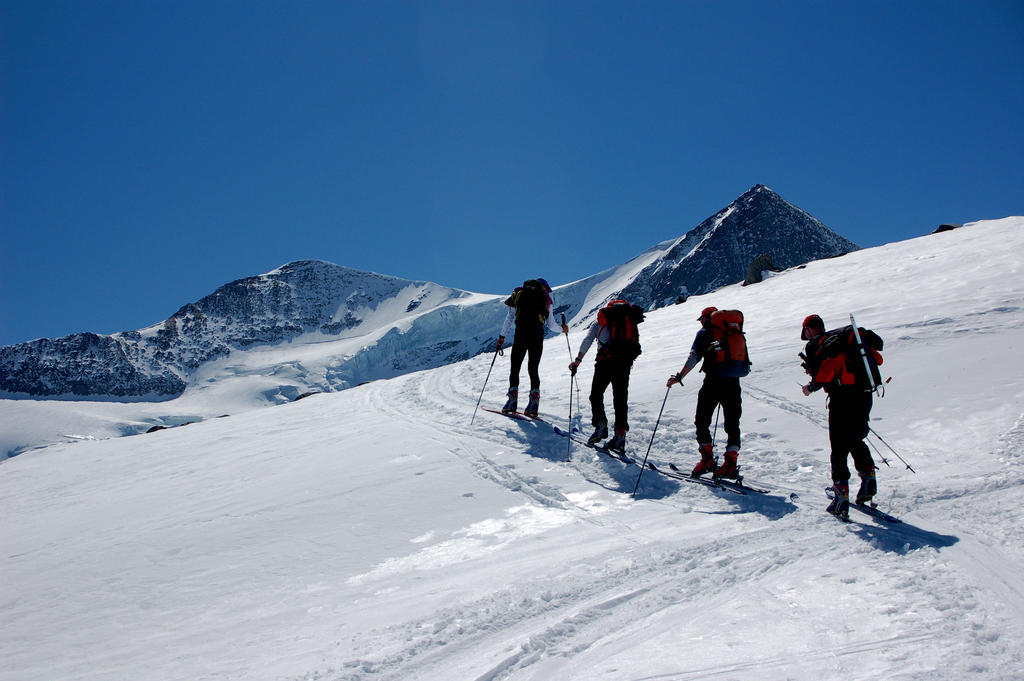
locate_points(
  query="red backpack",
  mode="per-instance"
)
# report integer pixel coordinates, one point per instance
(730, 343)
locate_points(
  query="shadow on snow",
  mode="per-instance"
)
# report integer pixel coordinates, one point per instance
(900, 538)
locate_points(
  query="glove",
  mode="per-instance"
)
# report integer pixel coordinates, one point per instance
(501, 343)
(574, 366)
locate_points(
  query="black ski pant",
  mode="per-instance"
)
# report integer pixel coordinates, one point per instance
(614, 372)
(529, 340)
(719, 390)
(848, 414)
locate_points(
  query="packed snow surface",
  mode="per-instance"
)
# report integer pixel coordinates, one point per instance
(383, 532)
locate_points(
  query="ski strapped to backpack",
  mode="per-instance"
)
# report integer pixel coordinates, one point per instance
(620, 318)
(870, 367)
(729, 342)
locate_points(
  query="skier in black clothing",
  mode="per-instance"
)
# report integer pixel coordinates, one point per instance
(721, 387)
(530, 307)
(618, 345)
(828, 360)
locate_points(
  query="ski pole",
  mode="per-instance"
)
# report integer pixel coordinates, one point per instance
(892, 450)
(568, 432)
(644, 464)
(485, 386)
(715, 435)
(878, 452)
(572, 381)
(568, 347)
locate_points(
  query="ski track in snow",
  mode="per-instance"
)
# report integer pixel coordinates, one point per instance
(562, 620)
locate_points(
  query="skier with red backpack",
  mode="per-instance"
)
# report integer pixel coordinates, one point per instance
(618, 345)
(529, 307)
(845, 363)
(721, 345)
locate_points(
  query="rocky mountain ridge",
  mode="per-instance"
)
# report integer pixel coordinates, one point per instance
(351, 326)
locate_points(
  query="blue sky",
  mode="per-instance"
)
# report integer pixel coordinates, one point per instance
(154, 150)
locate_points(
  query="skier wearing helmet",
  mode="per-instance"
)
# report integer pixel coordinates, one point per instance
(530, 307)
(721, 387)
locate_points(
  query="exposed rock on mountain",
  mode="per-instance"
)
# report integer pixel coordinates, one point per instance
(718, 251)
(755, 272)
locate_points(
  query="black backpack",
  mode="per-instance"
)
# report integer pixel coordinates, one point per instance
(621, 317)
(530, 301)
(844, 341)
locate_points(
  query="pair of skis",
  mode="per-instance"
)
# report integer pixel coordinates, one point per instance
(518, 415)
(618, 456)
(735, 486)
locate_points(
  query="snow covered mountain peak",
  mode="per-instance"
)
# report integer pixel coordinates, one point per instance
(335, 327)
(720, 250)
(303, 297)
(308, 301)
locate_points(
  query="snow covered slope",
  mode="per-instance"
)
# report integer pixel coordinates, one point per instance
(374, 534)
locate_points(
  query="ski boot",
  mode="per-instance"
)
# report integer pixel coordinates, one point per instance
(600, 433)
(840, 505)
(868, 487)
(513, 401)
(534, 404)
(729, 468)
(617, 443)
(707, 462)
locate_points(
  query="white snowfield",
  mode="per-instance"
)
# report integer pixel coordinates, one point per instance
(375, 534)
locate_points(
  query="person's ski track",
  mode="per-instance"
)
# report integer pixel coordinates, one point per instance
(437, 391)
(989, 555)
(506, 476)
(561, 617)
(433, 412)
(436, 394)
(759, 667)
(812, 414)
(559, 621)
(567, 616)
